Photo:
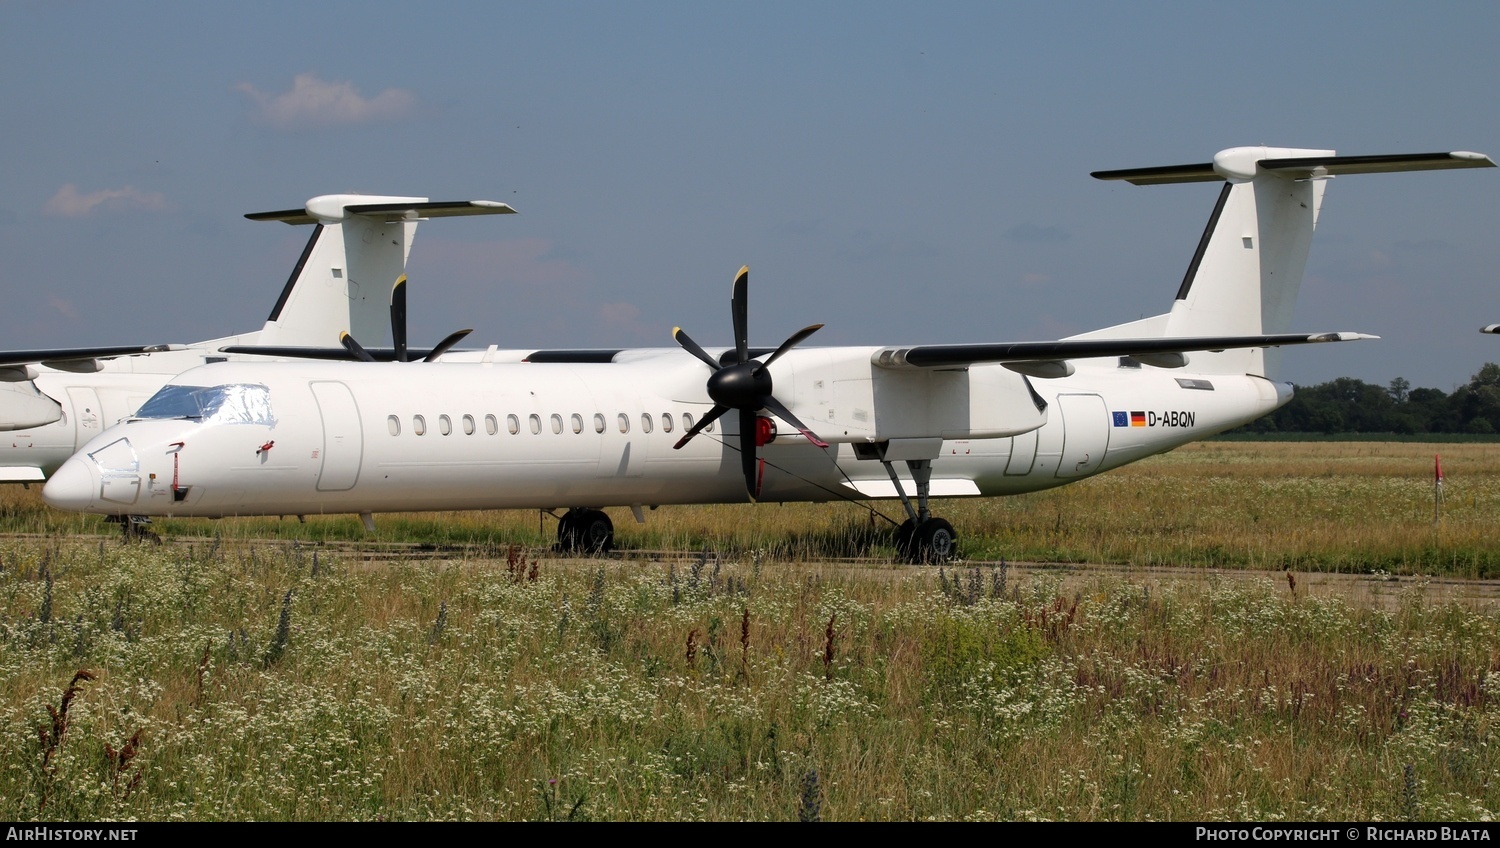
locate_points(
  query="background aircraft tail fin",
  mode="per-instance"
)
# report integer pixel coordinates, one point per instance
(1245, 276)
(358, 248)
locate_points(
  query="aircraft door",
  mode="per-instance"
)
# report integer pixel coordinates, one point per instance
(88, 414)
(1085, 434)
(343, 437)
(1022, 454)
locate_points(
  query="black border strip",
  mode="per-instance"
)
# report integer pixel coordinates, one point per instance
(1208, 234)
(291, 283)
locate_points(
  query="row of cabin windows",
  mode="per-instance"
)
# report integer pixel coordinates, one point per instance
(534, 423)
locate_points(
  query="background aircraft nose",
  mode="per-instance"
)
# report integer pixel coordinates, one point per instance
(71, 487)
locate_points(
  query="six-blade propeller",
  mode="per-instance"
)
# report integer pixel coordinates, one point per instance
(745, 385)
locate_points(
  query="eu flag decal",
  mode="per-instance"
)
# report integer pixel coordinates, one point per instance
(1121, 419)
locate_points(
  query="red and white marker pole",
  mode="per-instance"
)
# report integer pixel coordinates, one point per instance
(1437, 489)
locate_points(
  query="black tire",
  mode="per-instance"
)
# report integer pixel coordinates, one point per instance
(594, 532)
(934, 542)
(134, 531)
(567, 531)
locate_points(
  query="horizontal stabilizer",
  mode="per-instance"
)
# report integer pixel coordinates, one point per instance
(334, 208)
(948, 356)
(1490, 328)
(1239, 164)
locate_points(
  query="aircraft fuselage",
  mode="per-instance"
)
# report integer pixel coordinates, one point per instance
(335, 437)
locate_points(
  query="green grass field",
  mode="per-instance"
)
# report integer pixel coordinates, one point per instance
(1358, 507)
(243, 670)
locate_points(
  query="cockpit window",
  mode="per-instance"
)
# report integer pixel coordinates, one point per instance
(234, 403)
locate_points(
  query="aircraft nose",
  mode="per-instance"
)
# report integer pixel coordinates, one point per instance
(71, 487)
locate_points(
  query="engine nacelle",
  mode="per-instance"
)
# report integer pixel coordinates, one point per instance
(23, 406)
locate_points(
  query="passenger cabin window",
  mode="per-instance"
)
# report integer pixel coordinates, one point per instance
(468, 425)
(666, 422)
(687, 420)
(624, 421)
(645, 422)
(491, 426)
(556, 423)
(393, 424)
(233, 403)
(513, 424)
(598, 422)
(445, 425)
(536, 424)
(419, 425)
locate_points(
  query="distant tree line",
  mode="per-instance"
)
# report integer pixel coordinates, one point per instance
(1347, 405)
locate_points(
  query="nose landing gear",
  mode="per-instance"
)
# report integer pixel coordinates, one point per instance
(134, 528)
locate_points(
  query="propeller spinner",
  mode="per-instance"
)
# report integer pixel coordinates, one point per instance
(745, 385)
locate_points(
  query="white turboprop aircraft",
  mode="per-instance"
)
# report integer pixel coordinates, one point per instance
(53, 401)
(581, 430)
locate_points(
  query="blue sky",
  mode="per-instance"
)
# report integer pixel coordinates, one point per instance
(902, 174)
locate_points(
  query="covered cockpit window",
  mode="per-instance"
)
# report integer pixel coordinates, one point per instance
(234, 403)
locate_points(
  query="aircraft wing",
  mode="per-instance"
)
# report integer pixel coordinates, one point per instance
(379, 354)
(1049, 359)
(81, 359)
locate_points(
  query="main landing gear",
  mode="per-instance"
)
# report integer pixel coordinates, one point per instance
(585, 531)
(923, 537)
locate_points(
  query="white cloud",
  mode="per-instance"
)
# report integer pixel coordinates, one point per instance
(313, 102)
(63, 307)
(68, 203)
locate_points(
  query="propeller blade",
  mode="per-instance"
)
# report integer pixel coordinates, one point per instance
(398, 318)
(739, 307)
(747, 453)
(355, 348)
(786, 415)
(796, 339)
(712, 416)
(692, 347)
(442, 346)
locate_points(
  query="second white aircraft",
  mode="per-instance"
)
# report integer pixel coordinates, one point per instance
(583, 430)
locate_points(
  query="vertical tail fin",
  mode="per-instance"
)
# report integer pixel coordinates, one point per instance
(358, 248)
(1246, 274)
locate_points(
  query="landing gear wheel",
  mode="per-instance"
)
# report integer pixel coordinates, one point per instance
(594, 532)
(567, 535)
(585, 531)
(135, 528)
(934, 542)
